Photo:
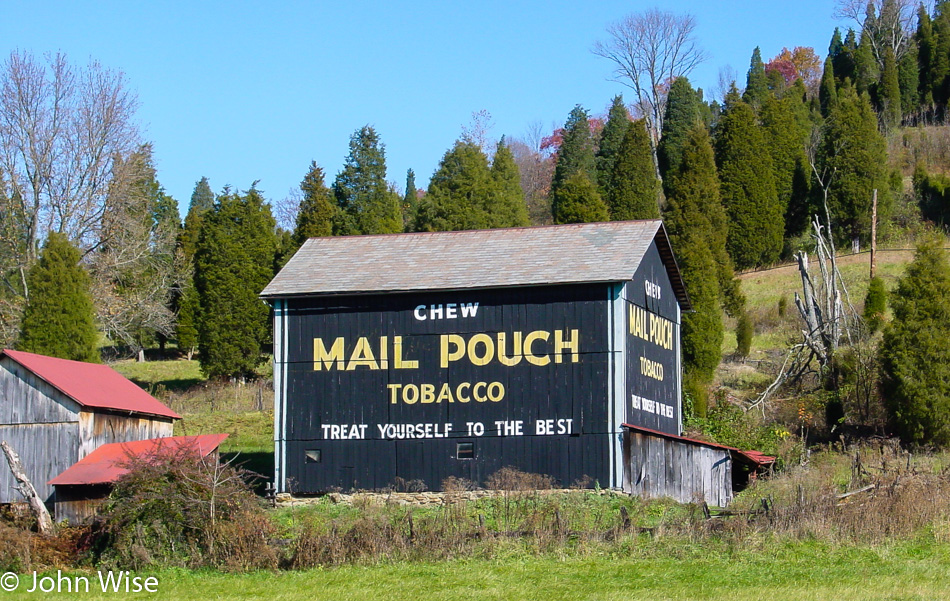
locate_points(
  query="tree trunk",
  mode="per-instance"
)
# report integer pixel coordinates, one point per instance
(43, 521)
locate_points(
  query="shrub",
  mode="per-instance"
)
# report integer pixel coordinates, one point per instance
(175, 508)
(875, 303)
(745, 329)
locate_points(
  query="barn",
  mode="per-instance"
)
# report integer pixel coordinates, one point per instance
(416, 357)
(55, 412)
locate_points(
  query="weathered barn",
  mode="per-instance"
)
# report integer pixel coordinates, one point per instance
(424, 356)
(54, 412)
(82, 488)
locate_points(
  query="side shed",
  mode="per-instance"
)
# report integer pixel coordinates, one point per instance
(54, 412)
(658, 464)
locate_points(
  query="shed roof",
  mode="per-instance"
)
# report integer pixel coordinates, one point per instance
(107, 464)
(91, 385)
(498, 258)
(753, 458)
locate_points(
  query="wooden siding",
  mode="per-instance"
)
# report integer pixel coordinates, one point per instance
(27, 399)
(45, 450)
(79, 504)
(655, 466)
(97, 428)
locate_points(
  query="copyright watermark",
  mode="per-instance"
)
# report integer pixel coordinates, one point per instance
(105, 582)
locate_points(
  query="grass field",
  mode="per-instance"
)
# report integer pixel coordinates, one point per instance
(912, 571)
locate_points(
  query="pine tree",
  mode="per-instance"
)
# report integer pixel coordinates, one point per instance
(577, 201)
(315, 214)
(683, 111)
(459, 192)
(940, 67)
(787, 129)
(890, 92)
(866, 71)
(844, 61)
(908, 77)
(854, 154)
(362, 193)
(828, 90)
(924, 38)
(186, 325)
(507, 207)
(757, 86)
(915, 357)
(618, 120)
(410, 201)
(202, 200)
(58, 319)
(233, 263)
(633, 187)
(756, 220)
(576, 153)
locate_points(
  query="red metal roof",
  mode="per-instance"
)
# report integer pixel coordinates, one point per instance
(91, 385)
(107, 463)
(754, 457)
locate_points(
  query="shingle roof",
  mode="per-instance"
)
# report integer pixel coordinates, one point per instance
(91, 385)
(527, 256)
(109, 462)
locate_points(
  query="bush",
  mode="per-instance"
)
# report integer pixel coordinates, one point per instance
(875, 303)
(745, 329)
(175, 508)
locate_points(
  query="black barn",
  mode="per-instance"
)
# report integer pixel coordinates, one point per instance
(424, 356)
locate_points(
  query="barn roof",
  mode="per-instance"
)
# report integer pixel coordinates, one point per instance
(498, 258)
(109, 462)
(92, 385)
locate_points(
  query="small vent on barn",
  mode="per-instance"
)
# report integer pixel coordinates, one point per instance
(465, 450)
(313, 455)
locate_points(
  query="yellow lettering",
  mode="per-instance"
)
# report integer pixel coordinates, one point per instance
(362, 355)
(410, 394)
(499, 392)
(458, 392)
(473, 343)
(393, 392)
(455, 355)
(401, 363)
(445, 394)
(384, 352)
(560, 345)
(529, 353)
(516, 357)
(428, 393)
(481, 398)
(327, 359)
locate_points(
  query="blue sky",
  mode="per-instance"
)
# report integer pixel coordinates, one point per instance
(241, 91)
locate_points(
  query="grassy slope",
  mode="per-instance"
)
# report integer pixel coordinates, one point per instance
(912, 571)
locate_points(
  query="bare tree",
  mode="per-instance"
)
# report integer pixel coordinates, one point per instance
(650, 49)
(477, 132)
(892, 27)
(536, 167)
(286, 210)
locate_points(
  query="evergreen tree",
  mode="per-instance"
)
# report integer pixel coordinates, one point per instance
(315, 214)
(683, 111)
(362, 193)
(866, 71)
(756, 220)
(460, 192)
(58, 318)
(633, 186)
(908, 79)
(410, 201)
(844, 62)
(854, 155)
(576, 153)
(186, 326)
(940, 66)
(611, 138)
(507, 207)
(233, 263)
(890, 92)
(202, 200)
(875, 304)
(925, 43)
(915, 357)
(787, 130)
(757, 86)
(577, 201)
(828, 90)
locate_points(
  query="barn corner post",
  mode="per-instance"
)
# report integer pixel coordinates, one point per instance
(280, 390)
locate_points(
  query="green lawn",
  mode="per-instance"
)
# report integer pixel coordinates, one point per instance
(663, 571)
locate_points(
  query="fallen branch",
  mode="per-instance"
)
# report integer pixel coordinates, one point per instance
(44, 523)
(860, 490)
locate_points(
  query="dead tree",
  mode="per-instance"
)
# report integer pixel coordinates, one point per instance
(827, 312)
(44, 523)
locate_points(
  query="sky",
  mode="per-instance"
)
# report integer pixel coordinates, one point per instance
(243, 91)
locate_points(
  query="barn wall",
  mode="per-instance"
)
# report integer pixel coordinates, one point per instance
(27, 399)
(97, 428)
(653, 382)
(655, 466)
(45, 451)
(79, 504)
(352, 410)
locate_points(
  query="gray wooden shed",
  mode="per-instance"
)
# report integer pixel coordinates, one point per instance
(54, 412)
